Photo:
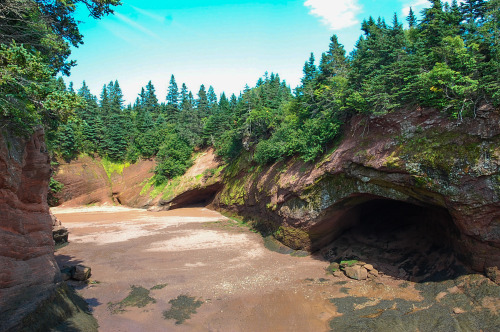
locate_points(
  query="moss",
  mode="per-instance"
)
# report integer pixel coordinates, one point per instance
(446, 151)
(111, 167)
(234, 192)
(159, 286)
(344, 264)
(271, 206)
(333, 267)
(138, 297)
(182, 308)
(294, 238)
(167, 190)
(64, 310)
(147, 184)
(393, 161)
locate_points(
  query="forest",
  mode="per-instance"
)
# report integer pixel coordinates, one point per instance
(448, 60)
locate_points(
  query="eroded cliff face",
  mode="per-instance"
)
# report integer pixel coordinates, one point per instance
(87, 181)
(28, 270)
(407, 165)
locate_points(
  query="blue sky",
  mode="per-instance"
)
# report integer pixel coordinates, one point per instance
(223, 43)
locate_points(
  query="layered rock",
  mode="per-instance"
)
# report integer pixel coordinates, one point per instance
(419, 164)
(88, 180)
(28, 270)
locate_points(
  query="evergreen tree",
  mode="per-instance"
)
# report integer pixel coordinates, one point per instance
(212, 100)
(172, 100)
(334, 61)
(150, 99)
(310, 71)
(411, 19)
(202, 102)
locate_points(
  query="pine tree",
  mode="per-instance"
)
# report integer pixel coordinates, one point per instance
(172, 100)
(173, 93)
(202, 102)
(91, 121)
(411, 19)
(150, 99)
(212, 100)
(116, 133)
(334, 61)
(310, 71)
(473, 11)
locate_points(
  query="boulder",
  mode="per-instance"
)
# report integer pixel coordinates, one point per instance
(356, 272)
(493, 273)
(369, 267)
(60, 234)
(81, 273)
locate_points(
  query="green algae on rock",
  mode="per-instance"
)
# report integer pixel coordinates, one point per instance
(182, 308)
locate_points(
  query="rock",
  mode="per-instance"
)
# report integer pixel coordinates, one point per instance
(60, 234)
(369, 267)
(402, 157)
(338, 274)
(67, 272)
(493, 273)
(55, 221)
(356, 272)
(333, 267)
(28, 270)
(458, 311)
(373, 273)
(81, 273)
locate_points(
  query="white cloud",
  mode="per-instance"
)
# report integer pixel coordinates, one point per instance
(151, 15)
(336, 14)
(136, 26)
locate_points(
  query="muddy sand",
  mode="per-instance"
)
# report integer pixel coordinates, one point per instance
(192, 269)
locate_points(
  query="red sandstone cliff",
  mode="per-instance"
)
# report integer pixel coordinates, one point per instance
(28, 270)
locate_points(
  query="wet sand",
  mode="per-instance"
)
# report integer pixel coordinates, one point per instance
(244, 286)
(199, 253)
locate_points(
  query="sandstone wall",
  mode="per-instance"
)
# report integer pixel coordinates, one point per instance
(28, 270)
(85, 182)
(415, 156)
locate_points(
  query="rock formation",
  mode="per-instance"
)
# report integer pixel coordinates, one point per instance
(88, 181)
(28, 270)
(59, 232)
(409, 166)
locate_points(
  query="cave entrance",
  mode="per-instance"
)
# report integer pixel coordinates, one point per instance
(403, 240)
(198, 197)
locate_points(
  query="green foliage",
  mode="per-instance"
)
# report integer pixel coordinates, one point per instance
(173, 158)
(29, 95)
(449, 60)
(55, 186)
(113, 167)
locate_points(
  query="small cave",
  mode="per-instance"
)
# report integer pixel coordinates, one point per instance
(199, 197)
(116, 197)
(403, 240)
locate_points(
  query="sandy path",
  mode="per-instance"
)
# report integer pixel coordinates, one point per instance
(244, 286)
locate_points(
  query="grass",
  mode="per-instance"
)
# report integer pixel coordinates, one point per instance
(182, 308)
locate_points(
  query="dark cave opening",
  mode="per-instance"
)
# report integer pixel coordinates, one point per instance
(200, 197)
(403, 240)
